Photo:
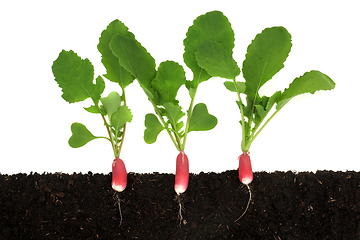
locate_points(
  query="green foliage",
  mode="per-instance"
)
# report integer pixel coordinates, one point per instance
(134, 58)
(115, 72)
(264, 58)
(153, 128)
(170, 77)
(80, 135)
(211, 26)
(208, 52)
(120, 117)
(310, 82)
(235, 86)
(174, 114)
(217, 60)
(75, 77)
(111, 104)
(161, 86)
(92, 109)
(201, 120)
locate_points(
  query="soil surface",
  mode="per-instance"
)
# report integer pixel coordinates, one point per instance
(285, 205)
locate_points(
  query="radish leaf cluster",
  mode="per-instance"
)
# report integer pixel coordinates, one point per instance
(264, 58)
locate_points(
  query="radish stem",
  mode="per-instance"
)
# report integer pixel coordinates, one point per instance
(243, 142)
(176, 143)
(188, 119)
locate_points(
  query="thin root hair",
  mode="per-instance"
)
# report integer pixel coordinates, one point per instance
(181, 208)
(245, 188)
(118, 200)
(247, 206)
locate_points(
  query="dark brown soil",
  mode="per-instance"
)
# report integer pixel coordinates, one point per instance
(285, 205)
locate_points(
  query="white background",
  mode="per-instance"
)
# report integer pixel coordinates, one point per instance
(312, 132)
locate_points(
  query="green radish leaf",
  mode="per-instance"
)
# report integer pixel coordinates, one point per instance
(80, 135)
(211, 26)
(170, 77)
(272, 100)
(153, 128)
(174, 114)
(310, 82)
(231, 86)
(100, 86)
(134, 58)
(114, 72)
(75, 77)
(192, 92)
(111, 104)
(200, 119)
(120, 117)
(216, 60)
(264, 58)
(260, 111)
(240, 105)
(92, 109)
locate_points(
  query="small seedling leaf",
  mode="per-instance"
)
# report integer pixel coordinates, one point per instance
(120, 117)
(92, 109)
(201, 120)
(111, 104)
(153, 128)
(174, 114)
(231, 86)
(80, 135)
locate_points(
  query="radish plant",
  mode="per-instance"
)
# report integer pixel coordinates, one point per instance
(75, 77)
(264, 58)
(162, 84)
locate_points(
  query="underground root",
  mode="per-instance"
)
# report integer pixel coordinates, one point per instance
(247, 206)
(181, 208)
(118, 200)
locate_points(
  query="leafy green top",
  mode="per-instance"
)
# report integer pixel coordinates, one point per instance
(208, 53)
(161, 85)
(264, 58)
(75, 76)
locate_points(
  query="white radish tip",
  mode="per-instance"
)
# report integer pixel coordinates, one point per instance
(180, 189)
(246, 180)
(118, 188)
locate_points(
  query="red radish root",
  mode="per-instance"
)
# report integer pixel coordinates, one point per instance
(245, 176)
(181, 180)
(182, 173)
(119, 175)
(245, 170)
